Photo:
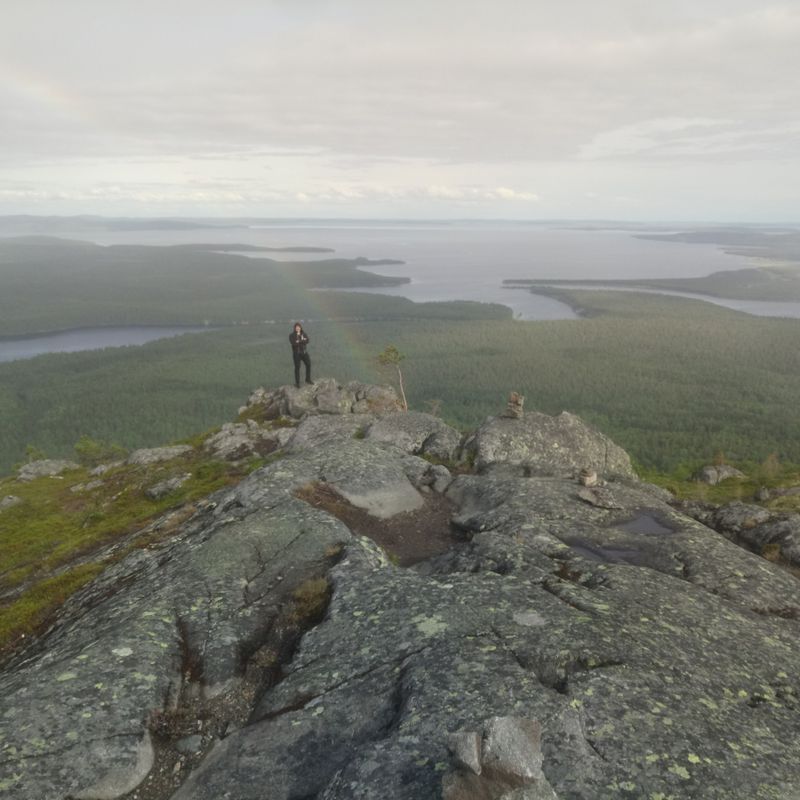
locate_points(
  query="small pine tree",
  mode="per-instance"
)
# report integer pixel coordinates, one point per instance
(391, 357)
(771, 467)
(34, 453)
(90, 453)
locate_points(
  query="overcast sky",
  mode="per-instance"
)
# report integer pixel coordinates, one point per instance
(616, 109)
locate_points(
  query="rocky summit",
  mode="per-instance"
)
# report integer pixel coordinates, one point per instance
(296, 638)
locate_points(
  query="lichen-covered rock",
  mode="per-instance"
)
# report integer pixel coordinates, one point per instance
(150, 636)
(715, 474)
(237, 441)
(545, 445)
(417, 433)
(102, 469)
(161, 489)
(154, 455)
(315, 431)
(325, 396)
(332, 399)
(372, 399)
(46, 467)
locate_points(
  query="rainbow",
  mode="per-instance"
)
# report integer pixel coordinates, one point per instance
(47, 94)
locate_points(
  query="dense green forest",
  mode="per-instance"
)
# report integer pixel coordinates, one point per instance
(671, 380)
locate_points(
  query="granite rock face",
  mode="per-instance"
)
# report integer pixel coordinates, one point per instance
(545, 445)
(565, 649)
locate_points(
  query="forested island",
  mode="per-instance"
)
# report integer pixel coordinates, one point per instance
(776, 284)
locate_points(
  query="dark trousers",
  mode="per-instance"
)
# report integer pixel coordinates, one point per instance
(298, 357)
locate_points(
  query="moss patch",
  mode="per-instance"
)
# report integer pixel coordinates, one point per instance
(57, 539)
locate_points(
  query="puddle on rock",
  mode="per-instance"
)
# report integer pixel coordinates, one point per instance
(608, 555)
(644, 524)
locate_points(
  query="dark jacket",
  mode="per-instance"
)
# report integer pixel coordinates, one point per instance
(298, 342)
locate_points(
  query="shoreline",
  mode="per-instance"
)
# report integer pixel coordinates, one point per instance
(198, 327)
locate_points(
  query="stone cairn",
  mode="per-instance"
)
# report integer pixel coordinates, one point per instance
(588, 477)
(514, 406)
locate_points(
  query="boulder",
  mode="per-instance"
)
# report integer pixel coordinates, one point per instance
(9, 501)
(89, 486)
(332, 399)
(372, 399)
(47, 467)
(237, 441)
(417, 433)
(315, 431)
(161, 489)
(102, 469)
(155, 455)
(714, 475)
(545, 445)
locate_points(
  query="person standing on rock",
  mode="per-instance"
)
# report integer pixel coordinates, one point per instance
(299, 341)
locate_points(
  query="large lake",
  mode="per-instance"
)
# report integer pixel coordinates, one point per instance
(16, 348)
(469, 260)
(452, 261)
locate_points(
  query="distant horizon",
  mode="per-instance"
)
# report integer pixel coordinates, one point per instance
(183, 217)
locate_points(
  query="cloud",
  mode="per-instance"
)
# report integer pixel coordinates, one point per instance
(676, 138)
(446, 104)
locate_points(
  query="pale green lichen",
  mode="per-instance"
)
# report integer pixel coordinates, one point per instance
(680, 771)
(8, 783)
(429, 626)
